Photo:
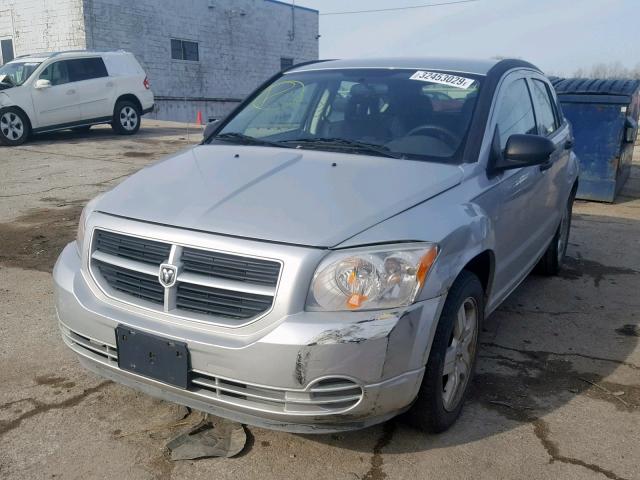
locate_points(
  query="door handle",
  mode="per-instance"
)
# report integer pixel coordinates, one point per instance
(568, 145)
(71, 92)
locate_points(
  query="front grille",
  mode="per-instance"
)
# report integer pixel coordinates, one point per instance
(216, 264)
(132, 283)
(210, 285)
(124, 246)
(328, 396)
(214, 301)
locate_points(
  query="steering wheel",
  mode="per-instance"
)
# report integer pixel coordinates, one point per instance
(442, 133)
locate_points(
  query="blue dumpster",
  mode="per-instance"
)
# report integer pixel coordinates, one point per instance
(604, 115)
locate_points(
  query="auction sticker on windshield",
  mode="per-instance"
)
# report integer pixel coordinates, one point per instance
(443, 78)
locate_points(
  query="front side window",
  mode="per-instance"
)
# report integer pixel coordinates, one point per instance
(184, 50)
(370, 111)
(515, 115)
(81, 69)
(16, 73)
(547, 123)
(57, 73)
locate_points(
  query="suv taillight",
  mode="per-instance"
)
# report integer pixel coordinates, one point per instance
(146, 83)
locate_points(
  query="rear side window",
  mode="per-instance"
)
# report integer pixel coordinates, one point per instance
(86, 69)
(542, 100)
(57, 73)
(515, 115)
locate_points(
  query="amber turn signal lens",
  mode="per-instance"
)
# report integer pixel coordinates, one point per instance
(425, 265)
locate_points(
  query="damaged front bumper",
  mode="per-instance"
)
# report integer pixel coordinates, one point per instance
(309, 372)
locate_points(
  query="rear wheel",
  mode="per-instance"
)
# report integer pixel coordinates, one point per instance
(452, 358)
(14, 127)
(552, 260)
(126, 118)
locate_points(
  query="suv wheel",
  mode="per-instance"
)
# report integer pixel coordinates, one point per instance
(14, 127)
(552, 260)
(452, 358)
(126, 118)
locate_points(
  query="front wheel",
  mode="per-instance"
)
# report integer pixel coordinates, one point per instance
(126, 118)
(452, 358)
(14, 127)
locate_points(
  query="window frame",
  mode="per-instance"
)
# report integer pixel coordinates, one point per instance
(182, 50)
(554, 113)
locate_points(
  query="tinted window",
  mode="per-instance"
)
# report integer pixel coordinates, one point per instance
(86, 69)
(516, 112)
(184, 50)
(57, 73)
(544, 108)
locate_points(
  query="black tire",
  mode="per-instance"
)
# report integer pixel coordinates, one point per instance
(14, 127)
(552, 260)
(83, 129)
(126, 118)
(430, 411)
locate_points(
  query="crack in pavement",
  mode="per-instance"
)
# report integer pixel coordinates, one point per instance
(535, 353)
(376, 471)
(8, 425)
(541, 430)
(66, 187)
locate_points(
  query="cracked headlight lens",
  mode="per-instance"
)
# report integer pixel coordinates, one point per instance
(371, 278)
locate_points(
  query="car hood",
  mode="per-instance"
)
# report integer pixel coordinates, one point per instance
(303, 197)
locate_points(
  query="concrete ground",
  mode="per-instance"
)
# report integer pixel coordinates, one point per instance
(557, 393)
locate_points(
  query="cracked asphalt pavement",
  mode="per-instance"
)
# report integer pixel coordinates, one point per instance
(557, 392)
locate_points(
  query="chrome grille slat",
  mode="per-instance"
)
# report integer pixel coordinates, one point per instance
(209, 284)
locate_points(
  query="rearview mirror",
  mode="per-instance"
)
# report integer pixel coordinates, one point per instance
(522, 151)
(42, 83)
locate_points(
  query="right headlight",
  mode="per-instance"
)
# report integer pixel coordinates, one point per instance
(387, 276)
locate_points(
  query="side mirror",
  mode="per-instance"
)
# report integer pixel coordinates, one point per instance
(42, 83)
(211, 126)
(521, 151)
(630, 130)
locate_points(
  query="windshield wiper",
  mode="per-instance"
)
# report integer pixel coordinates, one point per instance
(243, 139)
(347, 144)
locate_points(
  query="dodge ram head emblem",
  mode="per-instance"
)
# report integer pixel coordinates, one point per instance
(167, 275)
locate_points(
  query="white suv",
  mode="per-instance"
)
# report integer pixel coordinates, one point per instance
(45, 92)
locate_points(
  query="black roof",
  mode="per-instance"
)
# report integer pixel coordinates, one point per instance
(594, 86)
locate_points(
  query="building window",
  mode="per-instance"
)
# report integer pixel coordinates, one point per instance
(6, 51)
(285, 63)
(184, 50)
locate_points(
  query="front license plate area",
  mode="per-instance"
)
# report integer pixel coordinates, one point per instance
(155, 357)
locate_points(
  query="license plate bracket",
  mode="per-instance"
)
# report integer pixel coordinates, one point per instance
(151, 356)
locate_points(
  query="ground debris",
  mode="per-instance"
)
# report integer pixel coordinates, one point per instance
(212, 437)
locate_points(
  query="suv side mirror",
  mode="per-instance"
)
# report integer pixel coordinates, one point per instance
(42, 83)
(521, 151)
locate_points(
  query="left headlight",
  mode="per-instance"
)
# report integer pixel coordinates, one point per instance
(82, 224)
(388, 276)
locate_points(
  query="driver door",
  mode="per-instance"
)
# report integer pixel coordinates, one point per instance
(58, 104)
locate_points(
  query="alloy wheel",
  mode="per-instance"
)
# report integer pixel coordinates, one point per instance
(128, 118)
(11, 126)
(460, 353)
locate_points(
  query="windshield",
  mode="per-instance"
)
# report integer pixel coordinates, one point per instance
(18, 72)
(398, 113)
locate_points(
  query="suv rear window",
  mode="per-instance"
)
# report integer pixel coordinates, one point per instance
(86, 69)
